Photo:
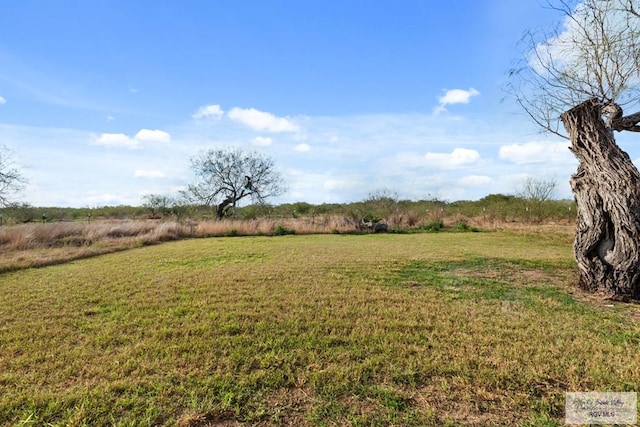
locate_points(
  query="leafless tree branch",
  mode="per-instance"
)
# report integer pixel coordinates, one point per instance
(594, 53)
(11, 180)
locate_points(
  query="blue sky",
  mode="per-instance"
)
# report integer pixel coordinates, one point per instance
(102, 102)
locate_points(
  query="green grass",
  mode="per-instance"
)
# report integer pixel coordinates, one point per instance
(416, 329)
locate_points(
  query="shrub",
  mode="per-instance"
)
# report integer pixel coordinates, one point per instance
(433, 226)
(464, 227)
(398, 230)
(281, 230)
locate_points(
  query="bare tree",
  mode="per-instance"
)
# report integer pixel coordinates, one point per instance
(536, 192)
(583, 75)
(226, 176)
(158, 204)
(11, 180)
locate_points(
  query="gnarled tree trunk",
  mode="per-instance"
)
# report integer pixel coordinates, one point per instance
(607, 190)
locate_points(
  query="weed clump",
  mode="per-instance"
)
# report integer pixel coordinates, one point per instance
(281, 230)
(462, 226)
(433, 226)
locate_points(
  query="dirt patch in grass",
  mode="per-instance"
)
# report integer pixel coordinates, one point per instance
(289, 407)
(461, 407)
(222, 419)
(516, 275)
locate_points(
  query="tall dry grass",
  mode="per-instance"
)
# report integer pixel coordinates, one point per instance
(60, 234)
(36, 245)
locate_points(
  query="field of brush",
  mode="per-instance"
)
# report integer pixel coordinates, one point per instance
(396, 329)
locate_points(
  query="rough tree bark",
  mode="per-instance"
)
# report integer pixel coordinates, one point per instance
(607, 191)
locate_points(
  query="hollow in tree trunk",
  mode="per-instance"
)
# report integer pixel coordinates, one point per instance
(607, 191)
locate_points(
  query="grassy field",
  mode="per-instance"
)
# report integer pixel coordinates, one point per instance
(417, 329)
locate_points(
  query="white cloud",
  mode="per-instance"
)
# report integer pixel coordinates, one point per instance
(332, 184)
(110, 118)
(2, 100)
(402, 161)
(475, 180)
(124, 141)
(209, 112)
(115, 140)
(103, 199)
(458, 96)
(153, 135)
(262, 141)
(458, 157)
(302, 147)
(341, 184)
(455, 96)
(262, 121)
(140, 173)
(536, 152)
(324, 186)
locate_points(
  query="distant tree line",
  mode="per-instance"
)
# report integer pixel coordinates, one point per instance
(375, 207)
